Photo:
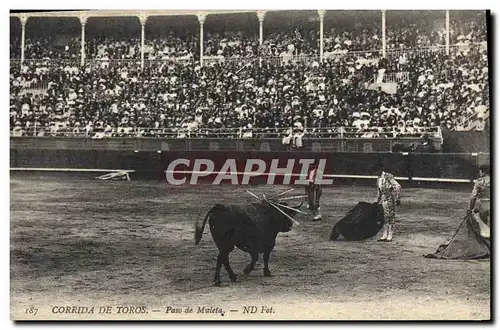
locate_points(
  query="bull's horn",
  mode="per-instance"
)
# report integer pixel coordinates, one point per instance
(289, 217)
(287, 207)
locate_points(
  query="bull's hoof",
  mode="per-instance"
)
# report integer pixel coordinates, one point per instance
(217, 283)
(233, 278)
(267, 274)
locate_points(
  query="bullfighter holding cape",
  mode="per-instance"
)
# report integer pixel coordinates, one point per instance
(480, 196)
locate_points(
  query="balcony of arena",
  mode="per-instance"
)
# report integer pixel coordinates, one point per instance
(307, 73)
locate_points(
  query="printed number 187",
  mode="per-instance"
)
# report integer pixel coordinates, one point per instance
(31, 310)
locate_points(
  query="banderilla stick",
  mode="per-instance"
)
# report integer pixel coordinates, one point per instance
(282, 193)
(291, 197)
(251, 193)
(289, 217)
(288, 207)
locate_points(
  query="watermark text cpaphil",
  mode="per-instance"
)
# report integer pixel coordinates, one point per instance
(185, 171)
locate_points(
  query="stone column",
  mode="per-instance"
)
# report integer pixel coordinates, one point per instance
(83, 22)
(447, 32)
(143, 18)
(201, 20)
(24, 20)
(384, 41)
(321, 14)
(261, 14)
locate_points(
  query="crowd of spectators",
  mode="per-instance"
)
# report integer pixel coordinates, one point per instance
(113, 48)
(469, 31)
(171, 46)
(15, 47)
(50, 48)
(181, 98)
(231, 44)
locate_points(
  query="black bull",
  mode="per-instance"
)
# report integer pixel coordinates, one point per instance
(252, 228)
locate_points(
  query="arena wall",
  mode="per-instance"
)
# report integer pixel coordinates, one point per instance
(466, 141)
(149, 164)
(212, 144)
(453, 142)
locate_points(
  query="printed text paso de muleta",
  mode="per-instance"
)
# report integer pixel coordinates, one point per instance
(199, 309)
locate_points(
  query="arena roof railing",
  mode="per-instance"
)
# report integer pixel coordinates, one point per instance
(275, 60)
(317, 132)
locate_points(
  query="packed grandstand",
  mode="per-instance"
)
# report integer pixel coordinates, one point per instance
(322, 73)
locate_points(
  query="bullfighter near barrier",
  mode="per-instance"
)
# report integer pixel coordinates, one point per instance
(250, 165)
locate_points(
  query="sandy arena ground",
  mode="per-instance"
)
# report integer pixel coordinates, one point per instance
(89, 243)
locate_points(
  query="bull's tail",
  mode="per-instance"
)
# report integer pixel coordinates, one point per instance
(198, 230)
